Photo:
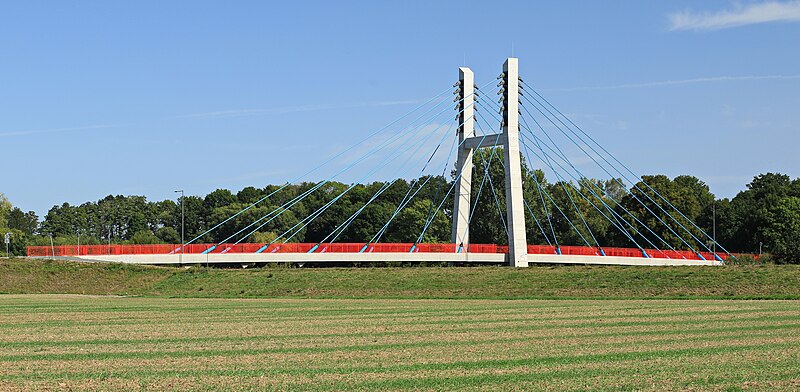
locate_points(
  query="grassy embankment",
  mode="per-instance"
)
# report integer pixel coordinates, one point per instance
(56, 277)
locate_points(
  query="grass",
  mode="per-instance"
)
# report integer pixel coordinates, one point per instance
(568, 328)
(69, 342)
(33, 276)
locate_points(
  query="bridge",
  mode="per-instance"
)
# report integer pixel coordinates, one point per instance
(524, 123)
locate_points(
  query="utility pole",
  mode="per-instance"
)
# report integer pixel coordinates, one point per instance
(78, 234)
(183, 241)
(714, 226)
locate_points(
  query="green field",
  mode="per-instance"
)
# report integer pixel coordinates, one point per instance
(64, 342)
(730, 282)
(488, 328)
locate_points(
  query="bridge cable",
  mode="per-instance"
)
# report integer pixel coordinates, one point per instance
(491, 182)
(541, 198)
(321, 183)
(613, 213)
(634, 174)
(406, 199)
(323, 164)
(298, 198)
(574, 205)
(342, 227)
(607, 172)
(616, 222)
(455, 181)
(322, 209)
(310, 218)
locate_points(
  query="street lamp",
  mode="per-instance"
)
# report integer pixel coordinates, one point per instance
(183, 244)
(714, 225)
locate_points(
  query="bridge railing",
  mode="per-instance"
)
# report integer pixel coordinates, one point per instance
(97, 250)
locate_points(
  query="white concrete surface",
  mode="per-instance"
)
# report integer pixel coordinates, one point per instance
(466, 130)
(497, 258)
(477, 142)
(515, 212)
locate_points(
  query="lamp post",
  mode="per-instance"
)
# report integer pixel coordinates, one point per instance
(714, 225)
(183, 244)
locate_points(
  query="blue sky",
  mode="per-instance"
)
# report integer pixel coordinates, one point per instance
(145, 97)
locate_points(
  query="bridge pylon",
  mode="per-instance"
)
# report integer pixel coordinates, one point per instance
(515, 213)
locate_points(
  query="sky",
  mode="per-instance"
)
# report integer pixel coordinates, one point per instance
(146, 97)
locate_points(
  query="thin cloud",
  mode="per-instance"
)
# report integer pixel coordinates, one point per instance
(294, 109)
(682, 81)
(766, 12)
(56, 130)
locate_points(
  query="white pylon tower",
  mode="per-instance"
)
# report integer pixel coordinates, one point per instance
(466, 130)
(515, 213)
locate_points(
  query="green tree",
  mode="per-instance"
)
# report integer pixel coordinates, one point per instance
(5, 209)
(168, 235)
(783, 232)
(657, 221)
(752, 211)
(17, 246)
(263, 237)
(144, 237)
(26, 222)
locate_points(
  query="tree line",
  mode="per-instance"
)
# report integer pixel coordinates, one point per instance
(765, 217)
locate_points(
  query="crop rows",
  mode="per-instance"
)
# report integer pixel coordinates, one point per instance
(62, 342)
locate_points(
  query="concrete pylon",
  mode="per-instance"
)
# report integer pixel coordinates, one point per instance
(515, 213)
(466, 130)
(517, 241)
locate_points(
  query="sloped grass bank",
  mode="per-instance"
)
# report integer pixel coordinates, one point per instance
(32, 276)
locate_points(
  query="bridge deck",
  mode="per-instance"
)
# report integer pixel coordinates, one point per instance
(493, 258)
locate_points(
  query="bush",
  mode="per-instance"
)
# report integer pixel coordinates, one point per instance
(145, 237)
(169, 235)
(764, 259)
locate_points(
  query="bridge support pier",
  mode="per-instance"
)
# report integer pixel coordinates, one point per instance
(515, 213)
(466, 130)
(515, 208)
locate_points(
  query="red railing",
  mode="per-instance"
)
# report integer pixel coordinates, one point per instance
(89, 250)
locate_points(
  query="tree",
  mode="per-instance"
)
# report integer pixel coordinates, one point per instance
(168, 235)
(659, 224)
(263, 237)
(412, 221)
(783, 232)
(5, 209)
(144, 237)
(249, 195)
(488, 205)
(26, 222)
(18, 243)
(752, 211)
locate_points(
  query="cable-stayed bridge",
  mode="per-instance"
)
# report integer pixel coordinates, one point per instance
(518, 129)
